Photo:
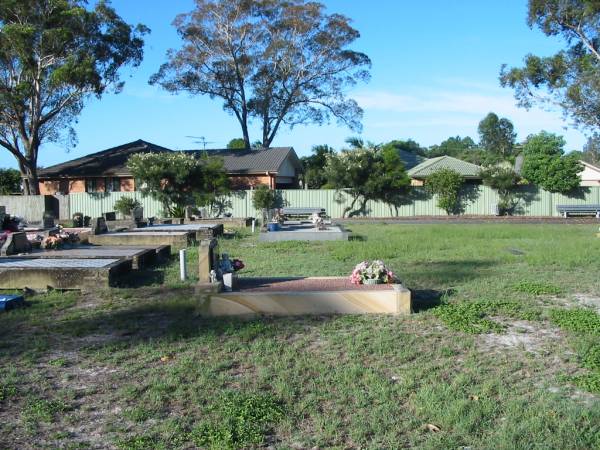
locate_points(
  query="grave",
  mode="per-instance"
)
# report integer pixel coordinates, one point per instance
(200, 230)
(55, 273)
(294, 296)
(300, 231)
(15, 243)
(140, 257)
(176, 239)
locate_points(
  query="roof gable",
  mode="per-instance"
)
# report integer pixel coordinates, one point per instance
(254, 161)
(113, 161)
(431, 165)
(107, 162)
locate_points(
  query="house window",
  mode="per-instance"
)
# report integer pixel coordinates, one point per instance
(91, 185)
(113, 185)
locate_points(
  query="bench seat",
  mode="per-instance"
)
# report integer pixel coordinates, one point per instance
(565, 210)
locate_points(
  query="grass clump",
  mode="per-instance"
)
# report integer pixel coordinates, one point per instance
(467, 317)
(578, 320)
(471, 317)
(42, 410)
(589, 382)
(241, 420)
(7, 390)
(537, 288)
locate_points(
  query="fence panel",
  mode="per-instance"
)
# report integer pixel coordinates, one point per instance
(477, 200)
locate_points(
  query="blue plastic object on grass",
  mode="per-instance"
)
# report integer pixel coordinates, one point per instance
(10, 301)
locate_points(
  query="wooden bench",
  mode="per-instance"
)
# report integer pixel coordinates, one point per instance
(565, 210)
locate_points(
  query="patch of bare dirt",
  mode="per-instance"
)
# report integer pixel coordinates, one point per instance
(520, 334)
(577, 300)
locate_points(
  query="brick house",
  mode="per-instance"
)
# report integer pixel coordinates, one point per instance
(106, 171)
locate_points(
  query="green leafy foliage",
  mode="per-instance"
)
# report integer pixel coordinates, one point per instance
(367, 173)
(54, 55)
(578, 320)
(497, 135)
(537, 288)
(571, 77)
(589, 381)
(10, 181)
(546, 165)
(125, 205)
(177, 179)
(236, 144)
(446, 184)
(242, 420)
(314, 166)
(504, 180)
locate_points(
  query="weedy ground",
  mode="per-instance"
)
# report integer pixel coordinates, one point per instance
(503, 351)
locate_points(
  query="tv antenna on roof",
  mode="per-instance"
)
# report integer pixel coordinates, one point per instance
(201, 140)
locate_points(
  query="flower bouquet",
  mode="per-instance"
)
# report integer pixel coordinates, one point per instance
(238, 264)
(372, 272)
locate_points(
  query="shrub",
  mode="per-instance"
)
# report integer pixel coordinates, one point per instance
(125, 205)
(446, 184)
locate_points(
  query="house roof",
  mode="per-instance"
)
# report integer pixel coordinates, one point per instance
(590, 166)
(254, 161)
(410, 159)
(109, 162)
(113, 161)
(432, 165)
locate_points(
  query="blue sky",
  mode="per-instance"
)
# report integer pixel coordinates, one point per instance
(434, 75)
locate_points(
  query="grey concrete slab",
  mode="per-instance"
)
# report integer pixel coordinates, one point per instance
(175, 239)
(305, 233)
(70, 263)
(200, 230)
(44, 273)
(140, 257)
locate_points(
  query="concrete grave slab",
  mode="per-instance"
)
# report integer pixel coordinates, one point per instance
(200, 230)
(141, 257)
(176, 239)
(42, 273)
(305, 232)
(300, 296)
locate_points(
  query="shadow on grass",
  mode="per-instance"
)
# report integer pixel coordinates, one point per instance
(424, 299)
(447, 273)
(357, 237)
(150, 276)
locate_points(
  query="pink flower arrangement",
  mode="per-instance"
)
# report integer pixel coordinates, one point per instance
(372, 270)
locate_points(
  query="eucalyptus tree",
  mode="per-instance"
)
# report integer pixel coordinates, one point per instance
(569, 79)
(54, 55)
(279, 62)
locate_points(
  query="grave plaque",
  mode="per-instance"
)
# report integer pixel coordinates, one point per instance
(99, 226)
(48, 220)
(110, 216)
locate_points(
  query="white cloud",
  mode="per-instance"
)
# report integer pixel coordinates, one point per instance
(454, 107)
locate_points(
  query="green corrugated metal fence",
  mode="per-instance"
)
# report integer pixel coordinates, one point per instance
(478, 200)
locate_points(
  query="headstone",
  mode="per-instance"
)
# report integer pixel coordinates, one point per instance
(48, 220)
(138, 214)
(99, 226)
(110, 216)
(208, 255)
(15, 243)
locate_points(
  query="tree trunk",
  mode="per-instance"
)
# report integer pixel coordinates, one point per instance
(31, 185)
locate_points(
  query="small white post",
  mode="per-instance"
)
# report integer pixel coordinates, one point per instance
(182, 265)
(253, 224)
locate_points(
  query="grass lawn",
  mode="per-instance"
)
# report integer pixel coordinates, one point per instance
(502, 352)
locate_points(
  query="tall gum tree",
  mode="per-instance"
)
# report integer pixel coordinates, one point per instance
(54, 55)
(279, 62)
(569, 79)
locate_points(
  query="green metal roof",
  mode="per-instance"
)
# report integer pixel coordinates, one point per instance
(431, 165)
